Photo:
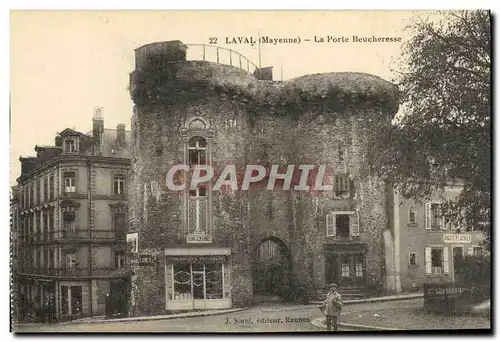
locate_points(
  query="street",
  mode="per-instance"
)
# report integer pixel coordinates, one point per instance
(265, 318)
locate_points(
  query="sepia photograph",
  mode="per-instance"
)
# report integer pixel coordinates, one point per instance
(250, 171)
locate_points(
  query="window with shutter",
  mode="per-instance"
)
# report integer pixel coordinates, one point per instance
(428, 260)
(436, 218)
(427, 216)
(330, 225)
(354, 223)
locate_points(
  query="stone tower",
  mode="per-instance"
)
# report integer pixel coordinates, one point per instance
(205, 248)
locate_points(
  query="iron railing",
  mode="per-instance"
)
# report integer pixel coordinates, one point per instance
(73, 235)
(212, 53)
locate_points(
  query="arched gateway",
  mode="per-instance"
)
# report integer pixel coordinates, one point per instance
(271, 268)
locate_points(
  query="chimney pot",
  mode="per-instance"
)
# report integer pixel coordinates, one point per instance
(120, 135)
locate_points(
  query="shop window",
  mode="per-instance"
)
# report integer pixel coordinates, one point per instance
(64, 300)
(76, 300)
(197, 281)
(214, 281)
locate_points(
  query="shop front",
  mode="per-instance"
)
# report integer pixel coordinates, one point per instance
(198, 278)
(345, 264)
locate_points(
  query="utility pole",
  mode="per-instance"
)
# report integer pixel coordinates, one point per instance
(260, 57)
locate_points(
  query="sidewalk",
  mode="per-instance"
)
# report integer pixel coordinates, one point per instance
(103, 319)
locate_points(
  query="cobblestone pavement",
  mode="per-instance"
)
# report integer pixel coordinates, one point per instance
(265, 318)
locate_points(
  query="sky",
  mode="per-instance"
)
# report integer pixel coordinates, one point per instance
(63, 64)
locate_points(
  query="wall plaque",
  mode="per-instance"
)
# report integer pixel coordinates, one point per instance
(147, 260)
(198, 238)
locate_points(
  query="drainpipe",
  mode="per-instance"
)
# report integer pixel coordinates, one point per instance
(396, 239)
(89, 220)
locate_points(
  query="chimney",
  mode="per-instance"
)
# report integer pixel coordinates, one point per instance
(120, 135)
(98, 127)
(264, 74)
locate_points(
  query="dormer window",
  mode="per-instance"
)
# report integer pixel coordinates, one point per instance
(70, 145)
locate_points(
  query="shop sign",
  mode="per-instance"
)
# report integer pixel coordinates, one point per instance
(199, 238)
(147, 260)
(456, 238)
(195, 258)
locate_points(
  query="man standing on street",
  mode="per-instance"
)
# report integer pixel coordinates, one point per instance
(333, 305)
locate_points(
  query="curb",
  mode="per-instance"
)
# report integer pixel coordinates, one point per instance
(377, 299)
(319, 322)
(156, 318)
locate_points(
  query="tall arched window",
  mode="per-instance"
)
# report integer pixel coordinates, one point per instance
(197, 150)
(197, 135)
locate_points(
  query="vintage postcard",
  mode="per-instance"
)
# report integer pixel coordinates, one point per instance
(250, 171)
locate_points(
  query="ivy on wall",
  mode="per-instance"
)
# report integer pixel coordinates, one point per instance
(325, 93)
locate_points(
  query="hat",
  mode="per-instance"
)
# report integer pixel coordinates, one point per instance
(332, 285)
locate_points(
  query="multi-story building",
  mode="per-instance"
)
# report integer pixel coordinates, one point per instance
(426, 247)
(72, 223)
(14, 251)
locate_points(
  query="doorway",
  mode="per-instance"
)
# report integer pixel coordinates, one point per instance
(271, 268)
(458, 254)
(345, 269)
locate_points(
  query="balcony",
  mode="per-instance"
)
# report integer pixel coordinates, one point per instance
(75, 272)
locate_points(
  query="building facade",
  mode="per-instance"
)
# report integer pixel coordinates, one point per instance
(71, 224)
(204, 248)
(428, 246)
